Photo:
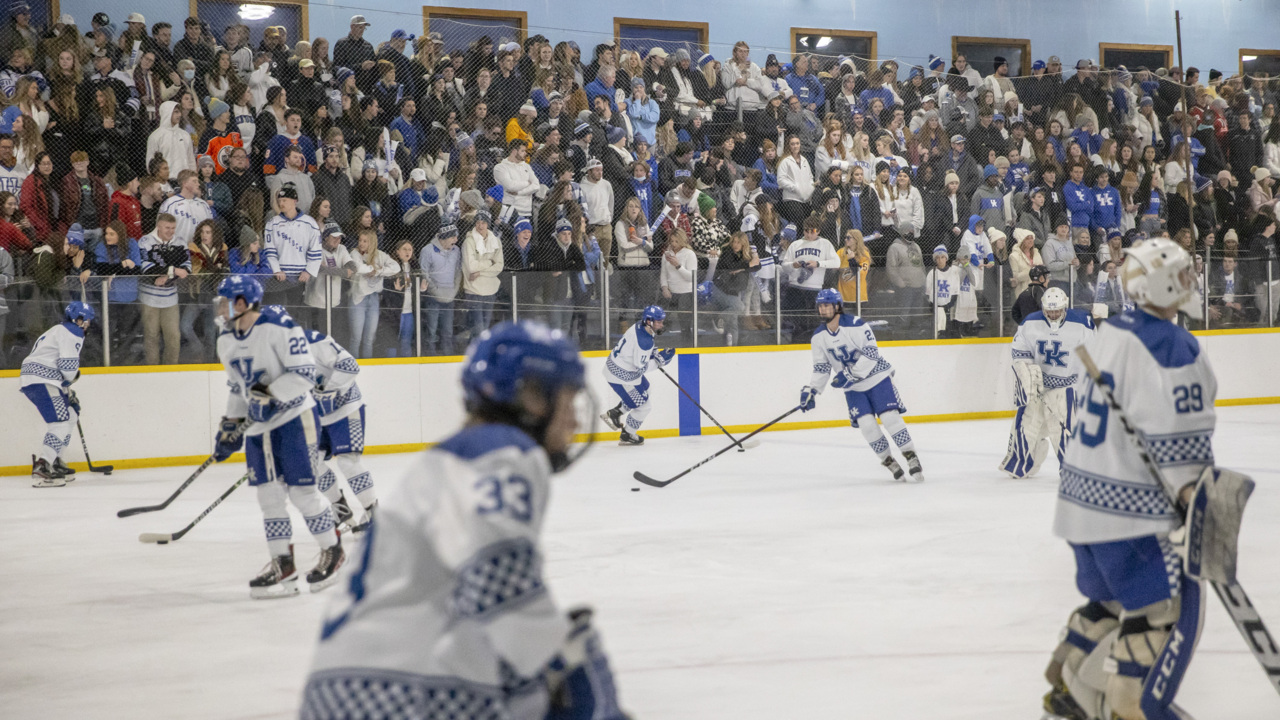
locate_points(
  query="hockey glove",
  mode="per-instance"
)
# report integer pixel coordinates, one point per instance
(808, 399)
(230, 438)
(664, 356)
(327, 401)
(73, 402)
(579, 681)
(262, 407)
(842, 380)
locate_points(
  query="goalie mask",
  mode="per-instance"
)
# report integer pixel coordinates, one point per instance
(1054, 304)
(1159, 273)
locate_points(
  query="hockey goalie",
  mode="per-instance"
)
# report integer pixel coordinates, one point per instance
(1044, 369)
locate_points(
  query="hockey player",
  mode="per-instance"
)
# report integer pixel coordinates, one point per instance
(1045, 367)
(845, 344)
(624, 370)
(341, 410)
(271, 374)
(1115, 516)
(46, 377)
(453, 563)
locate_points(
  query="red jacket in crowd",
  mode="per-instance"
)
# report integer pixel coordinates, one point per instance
(70, 197)
(127, 210)
(13, 239)
(35, 204)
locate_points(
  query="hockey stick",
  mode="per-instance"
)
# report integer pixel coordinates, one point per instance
(166, 538)
(152, 508)
(1233, 597)
(641, 477)
(742, 447)
(104, 469)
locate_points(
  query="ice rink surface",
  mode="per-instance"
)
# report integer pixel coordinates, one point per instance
(792, 581)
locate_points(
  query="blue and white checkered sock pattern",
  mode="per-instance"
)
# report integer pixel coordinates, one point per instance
(322, 523)
(55, 443)
(633, 424)
(1172, 566)
(279, 535)
(881, 447)
(327, 480)
(360, 483)
(902, 437)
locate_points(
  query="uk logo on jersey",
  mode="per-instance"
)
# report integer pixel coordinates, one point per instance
(1053, 353)
(844, 354)
(1104, 199)
(244, 367)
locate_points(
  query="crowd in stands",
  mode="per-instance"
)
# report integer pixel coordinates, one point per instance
(390, 190)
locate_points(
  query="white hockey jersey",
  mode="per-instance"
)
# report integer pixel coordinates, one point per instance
(852, 349)
(1053, 349)
(1166, 387)
(446, 601)
(820, 251)
(631, 357)
(275, 353)
(55, 358)
(336, 371)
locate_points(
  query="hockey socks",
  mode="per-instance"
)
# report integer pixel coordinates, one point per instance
(897, 429)
(876, 439)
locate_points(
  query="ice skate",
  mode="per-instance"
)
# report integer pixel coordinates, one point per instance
(1059, 705)
(913, 466)
(613, 417)
(343, 514)
(44, 475)
(629, 438)
(279, 579)
(368, 519)
(325, 573)
(894, 468)
(63, 469)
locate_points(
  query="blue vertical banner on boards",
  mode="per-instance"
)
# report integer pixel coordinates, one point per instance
(688, 376)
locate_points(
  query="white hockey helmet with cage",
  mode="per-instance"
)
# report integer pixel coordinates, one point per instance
(1159, 273)
(1055, 300)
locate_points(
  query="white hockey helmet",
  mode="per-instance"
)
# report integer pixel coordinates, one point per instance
(1054, 303)
(1159, 273)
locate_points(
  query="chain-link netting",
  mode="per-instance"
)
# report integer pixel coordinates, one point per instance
(404, 191)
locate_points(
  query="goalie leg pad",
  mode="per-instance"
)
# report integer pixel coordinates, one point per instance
(1027, 446)
(1076, 665)
(1151, 656)
(1213, 524)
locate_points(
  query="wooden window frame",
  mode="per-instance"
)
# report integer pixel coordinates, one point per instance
(456, 13)
(304, 20)
(1024, 43)
(704, 29)
(1166, 49)
(1257, 52)
(871, 35)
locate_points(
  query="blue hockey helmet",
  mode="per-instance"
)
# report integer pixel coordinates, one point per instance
(510, 357)
(240, 286)
(829, 296)
(78, 311)
(507, 356)
(655, 314)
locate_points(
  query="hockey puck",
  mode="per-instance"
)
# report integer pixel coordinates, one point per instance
(635, 489)
(162, 542)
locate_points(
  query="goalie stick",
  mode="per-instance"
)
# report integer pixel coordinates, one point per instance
(1232, 594)
(166, 538)
(742, 447)
(152, 508)
(104, 469)
(641, 477)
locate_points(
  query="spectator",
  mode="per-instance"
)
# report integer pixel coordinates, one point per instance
(117, 257)
(194, 46)
(519, 184)
(904, 265)
(172, 141)
(1060, 255)
(293, 173)
(732, 273)
(84, 199)
(164, 260)
(18, 33)
(643, 111)
(333, 182)
(482, 263)
(216, 194)
(441, 264)
(208, 253)
(291, 245)
(795, 179)
(248, 258)
(15, 229)
(12, 173)
(402, 286)
(186, 207)
(1024, 256)
(744, 83)
(354, 52)
(336, 266)
(288, 138)
(39, 198)
(419, 208)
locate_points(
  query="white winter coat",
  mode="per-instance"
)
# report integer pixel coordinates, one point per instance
(171, 141)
